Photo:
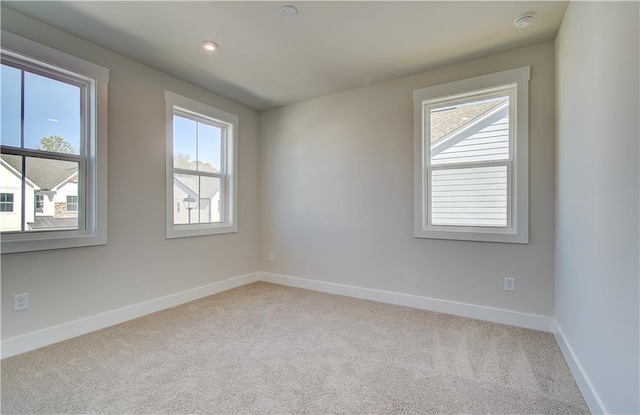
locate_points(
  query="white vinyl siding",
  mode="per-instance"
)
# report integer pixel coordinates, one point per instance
(469, 197)
(490, 143)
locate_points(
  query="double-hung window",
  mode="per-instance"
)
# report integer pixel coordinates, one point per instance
(39, 203)
(471, 159)
(72, 203)
(6, 202)
(53, 148)
(201, 168)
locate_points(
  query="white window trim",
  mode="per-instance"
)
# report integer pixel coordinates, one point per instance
(230, 185)
(518, 194)
(97, 78)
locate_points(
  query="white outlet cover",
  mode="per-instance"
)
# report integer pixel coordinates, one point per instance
(509, 284)
(20, 302)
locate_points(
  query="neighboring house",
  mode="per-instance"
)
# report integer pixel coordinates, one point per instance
(207, 201)
(51, 196)
(10, 196)
(468, 134)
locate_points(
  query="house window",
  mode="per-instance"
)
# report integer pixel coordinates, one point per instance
(39, 203)
(471, 170)
(201, 168)
(6, 202)
(53, 140)
(72, 203)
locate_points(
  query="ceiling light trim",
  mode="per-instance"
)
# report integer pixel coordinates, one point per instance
(210, 46)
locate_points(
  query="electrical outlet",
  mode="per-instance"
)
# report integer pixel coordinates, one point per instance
(509, 284)
(20, 302)
(270, 256)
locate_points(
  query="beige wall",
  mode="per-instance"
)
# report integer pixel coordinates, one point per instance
(138, 263)
(336, 195)
(598, 190)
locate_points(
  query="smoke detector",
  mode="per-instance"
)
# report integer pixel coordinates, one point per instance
(288, 10)
(524, 21)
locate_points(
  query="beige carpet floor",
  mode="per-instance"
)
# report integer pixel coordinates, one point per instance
(264, 348)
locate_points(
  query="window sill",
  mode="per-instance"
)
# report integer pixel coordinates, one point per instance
(43, 241)
(186, 231)
(474, 235)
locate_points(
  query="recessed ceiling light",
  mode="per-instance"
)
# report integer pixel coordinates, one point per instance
(209, 45)
(524, 21)
(288, 10)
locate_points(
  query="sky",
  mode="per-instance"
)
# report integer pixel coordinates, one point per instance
(199, 141)
(51, 108)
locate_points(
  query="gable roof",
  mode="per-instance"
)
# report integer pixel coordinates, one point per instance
(4, 162)
(472, 127)
(208, 188)
(45, 173)
(446, 121)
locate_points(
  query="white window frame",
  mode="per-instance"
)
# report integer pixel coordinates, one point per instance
(517, 229)
(229, 197)
(94, 148)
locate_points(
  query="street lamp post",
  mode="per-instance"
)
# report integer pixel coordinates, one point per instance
(189, 203)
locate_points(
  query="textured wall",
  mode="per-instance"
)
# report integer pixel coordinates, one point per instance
(336, 195)
(597, 196)
(138, 264)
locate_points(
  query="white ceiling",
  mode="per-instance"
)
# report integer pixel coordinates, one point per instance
(267, 59)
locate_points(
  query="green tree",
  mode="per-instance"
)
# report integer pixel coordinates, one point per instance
(56, 144)
(183, 161)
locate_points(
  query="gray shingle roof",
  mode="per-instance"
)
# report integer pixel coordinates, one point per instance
(208, 186)
(446, 121)
(47, 174)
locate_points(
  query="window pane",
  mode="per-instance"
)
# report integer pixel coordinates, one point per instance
(469, 196)
(184, 143)
(210, 205)
(197, 199)
(7, 199)
(52, 114)
(10, 79)
(470, 132)
(209, 147)
(57, 182)
(186, 191)
(11, 193)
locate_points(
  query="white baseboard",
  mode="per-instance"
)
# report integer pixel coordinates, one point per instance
(41, 338)
(496, 315)
(591, 397)
(50, 335)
